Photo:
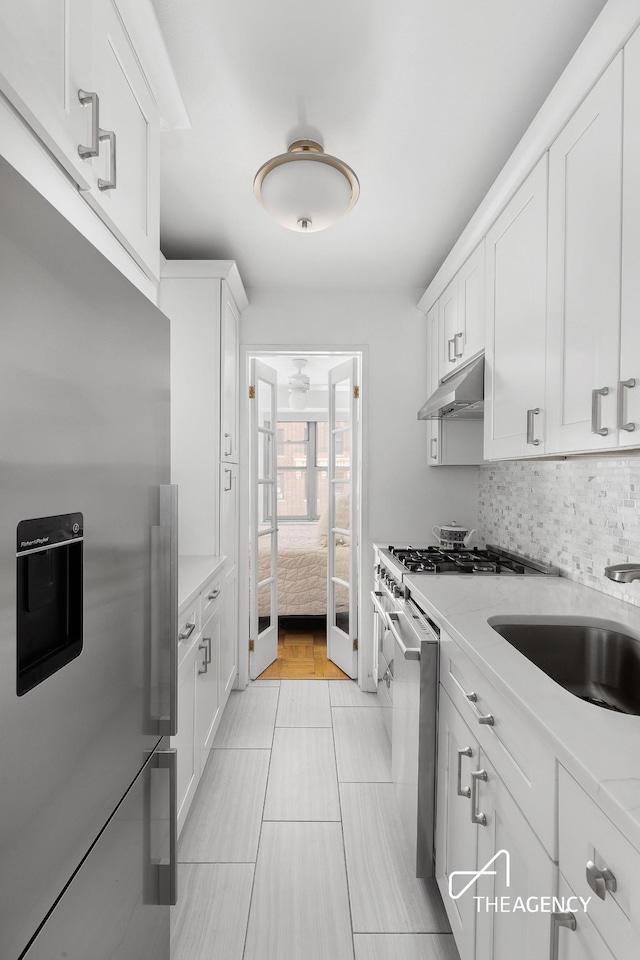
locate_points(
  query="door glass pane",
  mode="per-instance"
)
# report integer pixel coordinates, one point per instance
(265, 553)
(342, 394)
(341, 612)
(265, 500)
(343, 549)
(264, 607)
(264, 404)
(265, 456)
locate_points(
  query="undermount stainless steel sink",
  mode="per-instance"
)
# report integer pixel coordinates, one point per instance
(592, 659)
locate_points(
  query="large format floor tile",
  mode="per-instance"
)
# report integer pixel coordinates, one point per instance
(224, 821)
(304, 703)
(349, 694)
(249, 718)
(363, 745)
(300, 906)
(385, 895)
(210, 919)
(302, 777)
(405, 946)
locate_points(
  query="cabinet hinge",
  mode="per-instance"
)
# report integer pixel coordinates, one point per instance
(252, 393)
(252, 646)
(356, 393)
(355, 643)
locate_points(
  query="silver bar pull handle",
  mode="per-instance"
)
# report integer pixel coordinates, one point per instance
(622, 384)
(228, 488)
(595, 411)
(409, 653)
(186, 633)
(455, 345)
(476, 816)
(530, 415)
(168, 725)
(434, 448)
(168, 876)
(463, 791)
(227, 437)
(451, 343)
(204, 665)
(601, 880)
(559, 920)
(111, 183)
(93, 149)
(207, 640)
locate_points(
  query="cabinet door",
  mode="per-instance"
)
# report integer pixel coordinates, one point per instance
(629, 404)
(516, 323)
(208, 688)
(469, 337)
(45, 58)
(456, 835)
(448, 314)
(229, 326)
(185, 741)
(127, 175)
(525, 870)
(583, 307)
(229, 640)
(433, 363)
(583, 943)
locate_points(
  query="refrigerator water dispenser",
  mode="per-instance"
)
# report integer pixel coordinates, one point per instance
(49, 596)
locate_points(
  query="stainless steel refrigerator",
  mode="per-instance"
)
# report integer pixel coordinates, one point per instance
(88, 550)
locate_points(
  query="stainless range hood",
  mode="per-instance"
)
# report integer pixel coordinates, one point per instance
(461, 397)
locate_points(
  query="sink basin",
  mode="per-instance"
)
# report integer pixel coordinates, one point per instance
(592, 659)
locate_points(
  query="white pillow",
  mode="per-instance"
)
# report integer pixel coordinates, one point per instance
(343, 510)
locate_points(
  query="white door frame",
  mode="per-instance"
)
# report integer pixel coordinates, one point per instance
(264, 351)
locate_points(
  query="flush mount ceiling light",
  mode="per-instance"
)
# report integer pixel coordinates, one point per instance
(299, 384)
(305, 189)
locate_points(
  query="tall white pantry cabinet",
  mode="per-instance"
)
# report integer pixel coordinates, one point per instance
(203, 300)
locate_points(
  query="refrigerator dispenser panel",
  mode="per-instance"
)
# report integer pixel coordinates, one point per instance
(49, 596)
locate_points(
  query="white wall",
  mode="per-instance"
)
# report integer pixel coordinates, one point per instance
(404, 497)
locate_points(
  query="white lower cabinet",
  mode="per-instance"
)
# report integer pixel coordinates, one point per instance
(581, 942)
(185, 740)
(477, 821)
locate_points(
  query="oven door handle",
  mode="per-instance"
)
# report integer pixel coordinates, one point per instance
(378, 606)
(409, 653)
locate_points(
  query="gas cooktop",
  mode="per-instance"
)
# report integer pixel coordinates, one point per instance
(491, 560)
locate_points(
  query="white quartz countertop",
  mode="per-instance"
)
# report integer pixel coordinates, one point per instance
(193, 572)
(600, 748)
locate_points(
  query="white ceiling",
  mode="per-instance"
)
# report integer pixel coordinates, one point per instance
(424, 99)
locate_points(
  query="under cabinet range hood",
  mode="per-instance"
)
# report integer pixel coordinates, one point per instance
(461, 397)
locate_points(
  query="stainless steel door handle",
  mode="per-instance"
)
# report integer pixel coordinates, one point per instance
(207, 640)
(186, 633)
(622, 385)
(600, 880)
(86, 98)
(228, 452)
(450, 343)
(168, 726)
(111, 183)
(463, 791)
(476, 816)
(530, 415)
(204, 664)
(168, 875)
(595, 411)
(559, 920)
(409, 653)
(434, 455)
(455, 345)
(228, 488)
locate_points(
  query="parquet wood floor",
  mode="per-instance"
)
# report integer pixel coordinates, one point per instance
(302, 652)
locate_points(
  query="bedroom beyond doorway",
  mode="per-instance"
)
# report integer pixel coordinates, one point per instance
(305, 437)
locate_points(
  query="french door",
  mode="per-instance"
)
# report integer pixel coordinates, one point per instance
(263, 577)
(342, 545)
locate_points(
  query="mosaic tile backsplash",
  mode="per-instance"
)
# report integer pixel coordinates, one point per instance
(579, 514)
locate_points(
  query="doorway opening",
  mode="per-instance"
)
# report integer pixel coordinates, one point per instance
(304, 514)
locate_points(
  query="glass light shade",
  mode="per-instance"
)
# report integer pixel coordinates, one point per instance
(297, 398)
(305, 189)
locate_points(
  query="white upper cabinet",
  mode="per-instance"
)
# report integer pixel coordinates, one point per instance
(433, 361)
(516, 251)
(45, 58)
(628, 391)
(583, 306)
(461, 315)
(229, 398)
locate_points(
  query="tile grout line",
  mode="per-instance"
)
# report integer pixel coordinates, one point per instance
(344, 849)
(262, 821)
